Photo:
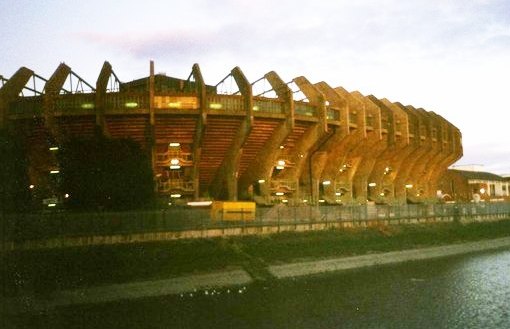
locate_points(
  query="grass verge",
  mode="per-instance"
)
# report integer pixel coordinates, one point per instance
(41, 272)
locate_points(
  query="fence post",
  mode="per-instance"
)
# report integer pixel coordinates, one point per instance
(278, 218)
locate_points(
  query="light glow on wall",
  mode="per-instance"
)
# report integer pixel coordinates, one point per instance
(131, 105)
(215, 106)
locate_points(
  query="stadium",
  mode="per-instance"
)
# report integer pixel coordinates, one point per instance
(268, 140)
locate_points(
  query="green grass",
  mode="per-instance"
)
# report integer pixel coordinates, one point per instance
(43, 271)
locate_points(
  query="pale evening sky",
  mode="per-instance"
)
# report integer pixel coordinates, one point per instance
(450, 57)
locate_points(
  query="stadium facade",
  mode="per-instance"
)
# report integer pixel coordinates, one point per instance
(267, 140)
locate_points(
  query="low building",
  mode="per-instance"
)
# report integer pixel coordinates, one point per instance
(472, 184)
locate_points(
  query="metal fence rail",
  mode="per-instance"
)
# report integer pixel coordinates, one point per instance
(19, 227)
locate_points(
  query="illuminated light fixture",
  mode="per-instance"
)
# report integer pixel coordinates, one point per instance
(482, 190)
(285, 200)
(175, 196)
(281, 162)
(280, 167)
(338, 193)
(131, 105)
(305, 201)
(169, 203)
(54, 148)
(174, 144)
(260, 181)
(417, 194)
(54, 171)
(281, 147)
(199, 203)
(87, 106)
(301, 155)
(381, 194)
(31, 186)
(174, 105)
(372, 184)
(52, 204)
(322, 200)
(67, 195)
(256, 108)
(175, 167)
(174, 161)
(279, 193)
(409, 185)
(326, 103)
(326, 182)
(215, 106)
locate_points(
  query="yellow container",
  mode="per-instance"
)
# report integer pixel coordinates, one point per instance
(232, 210)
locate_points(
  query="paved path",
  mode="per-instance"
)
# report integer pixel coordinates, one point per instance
(346, 263)
(131, 290)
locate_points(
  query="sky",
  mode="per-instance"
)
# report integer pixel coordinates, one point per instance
(449, 57)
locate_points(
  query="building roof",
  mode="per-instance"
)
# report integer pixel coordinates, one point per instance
(479, 175)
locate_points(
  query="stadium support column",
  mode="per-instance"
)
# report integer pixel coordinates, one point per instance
(404, 180)
(438, 130)
(227, 174)
(101, 86)
(200, 128)
(365, 154)
(317, 156)
(335, 169)
(262, 166)
(151, 138)
(336, 143)
(388, 163)
(10, 91)
(52, 89)
(406, 157)
(311, 137)
(420, 166)
(450, 141)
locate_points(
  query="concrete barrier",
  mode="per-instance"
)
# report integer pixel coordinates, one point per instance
(82, 241)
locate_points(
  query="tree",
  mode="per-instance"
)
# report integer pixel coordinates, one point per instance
(14, 183)
(103, 173)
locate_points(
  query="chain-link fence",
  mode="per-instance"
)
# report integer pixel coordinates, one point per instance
(19, 227)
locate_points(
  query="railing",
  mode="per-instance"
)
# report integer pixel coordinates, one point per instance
(22, 227)
(290, 185)
(75, 103)
(333, 114)
(369, 121)
(353, 118)
(27, 106)
(176, 102)
(126, 102)
(398, 127)
(225, 103)
(384, 123)
(267, 105)
(175, 185)
(301, 108)
(164, 159)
